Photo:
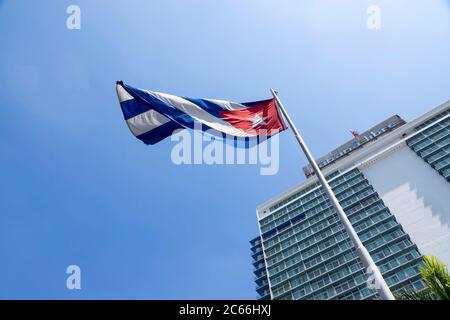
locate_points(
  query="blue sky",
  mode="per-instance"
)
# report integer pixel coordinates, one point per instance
(77, 188)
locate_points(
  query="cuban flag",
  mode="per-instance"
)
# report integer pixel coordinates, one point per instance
(153, 116)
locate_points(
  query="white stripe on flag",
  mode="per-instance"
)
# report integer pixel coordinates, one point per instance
(146, 121)
(227, 105)
(122, 94)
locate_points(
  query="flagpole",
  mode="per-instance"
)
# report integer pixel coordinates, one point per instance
(368, 263)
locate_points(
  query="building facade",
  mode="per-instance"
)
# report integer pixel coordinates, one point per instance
(393, 183)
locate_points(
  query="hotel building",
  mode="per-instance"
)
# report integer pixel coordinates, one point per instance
(393, 183)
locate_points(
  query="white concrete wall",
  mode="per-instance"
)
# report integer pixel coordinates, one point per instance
(419, 198)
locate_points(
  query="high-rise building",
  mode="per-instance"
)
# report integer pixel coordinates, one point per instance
(393, 183)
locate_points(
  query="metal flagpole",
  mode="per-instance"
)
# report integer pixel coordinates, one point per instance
(364, 255)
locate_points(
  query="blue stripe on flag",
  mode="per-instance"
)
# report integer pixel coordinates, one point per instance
(133, 107)
(159, 133)
(211, 107)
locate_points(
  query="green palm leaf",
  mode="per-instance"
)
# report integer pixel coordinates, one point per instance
(435, 275)
(437, 279)
(425, 294)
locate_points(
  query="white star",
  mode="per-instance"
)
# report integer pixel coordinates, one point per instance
(257, 120)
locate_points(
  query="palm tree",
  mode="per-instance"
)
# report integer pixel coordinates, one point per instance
(437, 279)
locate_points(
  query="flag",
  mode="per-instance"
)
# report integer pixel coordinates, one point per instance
(153, 116)
(355, 134)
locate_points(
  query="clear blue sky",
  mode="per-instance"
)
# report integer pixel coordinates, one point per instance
(77, 188)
